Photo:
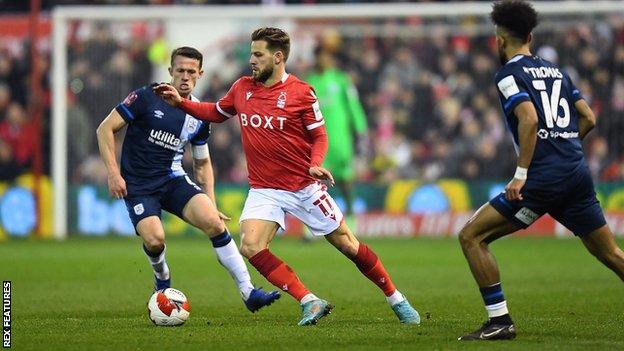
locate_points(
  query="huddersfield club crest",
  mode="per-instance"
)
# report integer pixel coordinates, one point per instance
(192, 126)
(139, 209)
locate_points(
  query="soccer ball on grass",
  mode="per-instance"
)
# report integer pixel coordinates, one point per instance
(168, 307)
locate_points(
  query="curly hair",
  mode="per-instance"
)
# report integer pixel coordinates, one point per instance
(276, 39)
(517, 17)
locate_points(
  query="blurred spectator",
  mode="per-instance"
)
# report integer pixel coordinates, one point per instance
(18, 133)
(5, 98)
(9, 170)
(425, 84)
(80, 143)
(597, 154)
(13, 75)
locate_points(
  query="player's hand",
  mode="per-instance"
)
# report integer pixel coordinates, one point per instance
(512, 190)
(223, 216)
(117, 186)
(321, 174)
(168, 93)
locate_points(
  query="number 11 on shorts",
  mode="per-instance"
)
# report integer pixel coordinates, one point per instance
(325, 205)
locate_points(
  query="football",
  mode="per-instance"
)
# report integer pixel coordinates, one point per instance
(168, 307)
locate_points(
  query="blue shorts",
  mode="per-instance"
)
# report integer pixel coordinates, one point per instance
(574, 205)
(171, 197)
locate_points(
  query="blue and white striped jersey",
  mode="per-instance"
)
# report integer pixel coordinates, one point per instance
(155, 139)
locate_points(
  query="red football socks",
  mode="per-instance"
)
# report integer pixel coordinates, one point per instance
(279, 274)
(369, 264)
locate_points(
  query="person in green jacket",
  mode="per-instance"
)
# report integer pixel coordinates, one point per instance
(345, 121)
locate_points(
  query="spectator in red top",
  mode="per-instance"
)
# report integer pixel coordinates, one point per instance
(17, 132)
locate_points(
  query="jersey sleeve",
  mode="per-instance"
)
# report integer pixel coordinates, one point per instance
(134, 104)
(225, 105)
(311, 110)
(202, 135)
(575, 93)
(512, 90)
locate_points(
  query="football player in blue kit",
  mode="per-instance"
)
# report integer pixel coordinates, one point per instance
(548, 118)
(152, 179)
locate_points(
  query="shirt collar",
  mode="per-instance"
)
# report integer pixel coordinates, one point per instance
(515, 58)
(284, 77)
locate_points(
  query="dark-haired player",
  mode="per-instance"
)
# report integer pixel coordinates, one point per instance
(284, 139)
(548, 118)
(152, 179)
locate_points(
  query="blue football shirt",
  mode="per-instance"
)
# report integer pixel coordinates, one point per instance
(155, 139)
(558, 152)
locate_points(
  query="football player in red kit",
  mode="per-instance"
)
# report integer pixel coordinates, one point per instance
(284, 139)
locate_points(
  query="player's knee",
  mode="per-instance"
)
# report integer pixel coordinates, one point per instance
(348, 248)
(154, 243)
(250, 248)
(211, 225)
(466, 237)
(343, 240)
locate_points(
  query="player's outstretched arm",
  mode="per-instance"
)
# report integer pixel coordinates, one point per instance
(527, 138)
(168, 93)
(206, 111)
(587, 120)
(106, 143)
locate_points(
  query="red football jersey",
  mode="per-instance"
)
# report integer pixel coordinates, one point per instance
(275, 123)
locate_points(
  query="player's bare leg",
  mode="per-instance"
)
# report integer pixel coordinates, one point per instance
(370, 265)
(601, 244)
(484, 227)
(256, 235)
(151, 231)
(201, 212)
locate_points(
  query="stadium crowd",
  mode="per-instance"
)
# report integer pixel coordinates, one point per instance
(17, 129)
(431, 105)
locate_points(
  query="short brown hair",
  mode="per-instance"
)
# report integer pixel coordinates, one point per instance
(276, 39)
(189, 52)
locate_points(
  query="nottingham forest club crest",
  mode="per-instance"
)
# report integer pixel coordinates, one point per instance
(281, 100)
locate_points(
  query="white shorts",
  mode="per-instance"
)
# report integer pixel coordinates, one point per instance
(312, 205)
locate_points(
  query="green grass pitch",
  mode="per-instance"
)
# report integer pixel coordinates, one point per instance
(91, 294)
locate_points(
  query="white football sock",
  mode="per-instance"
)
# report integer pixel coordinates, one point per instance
(230, 258)
(395, 298)
(159, 264)
(309, 297)
(497, 309)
